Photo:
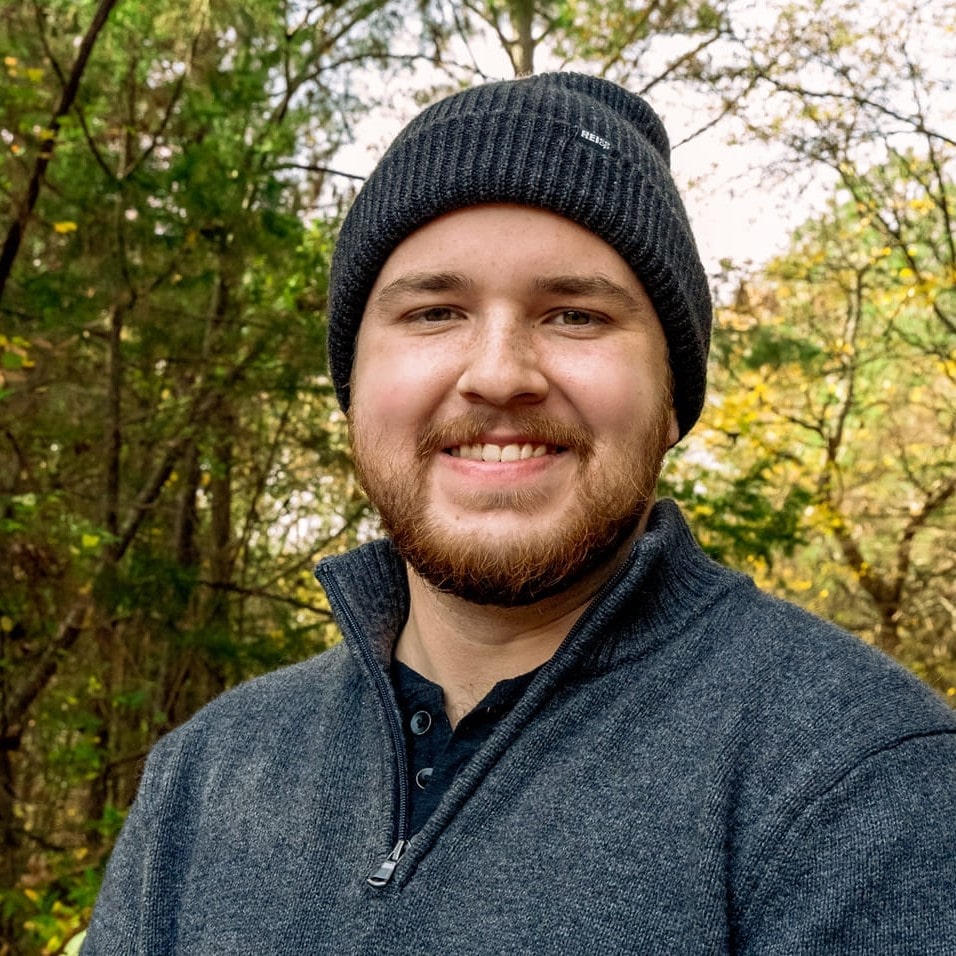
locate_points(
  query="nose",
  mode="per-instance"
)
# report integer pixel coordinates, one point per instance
(503, 366)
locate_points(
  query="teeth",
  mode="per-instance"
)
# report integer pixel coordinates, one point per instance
(510, 453)
(490, 452)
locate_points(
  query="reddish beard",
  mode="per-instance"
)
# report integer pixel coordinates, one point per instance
(610, 503)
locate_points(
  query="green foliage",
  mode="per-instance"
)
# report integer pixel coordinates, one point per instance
(769, 347)
(738, 522)
(834, 399)
(164, 406)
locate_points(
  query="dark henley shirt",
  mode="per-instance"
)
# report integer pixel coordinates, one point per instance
(434, 751)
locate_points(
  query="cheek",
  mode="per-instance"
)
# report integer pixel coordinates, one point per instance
(394, 385)
(615, 399)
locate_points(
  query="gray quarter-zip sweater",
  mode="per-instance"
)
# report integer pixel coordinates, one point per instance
(699, 769)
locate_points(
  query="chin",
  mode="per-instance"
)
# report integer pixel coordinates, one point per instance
(513, 573)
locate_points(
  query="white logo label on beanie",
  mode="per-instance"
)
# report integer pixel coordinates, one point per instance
(594, 138)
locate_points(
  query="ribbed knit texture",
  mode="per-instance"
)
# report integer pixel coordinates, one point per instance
(699, 769)
(579, 146)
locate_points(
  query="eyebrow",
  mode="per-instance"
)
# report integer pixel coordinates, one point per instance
(413, 282)
(560, 285)
(590, 285)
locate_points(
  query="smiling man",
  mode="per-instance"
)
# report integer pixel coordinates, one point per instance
(553, 725)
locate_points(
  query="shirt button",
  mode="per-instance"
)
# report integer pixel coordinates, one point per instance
(423, 776)
(420, 723)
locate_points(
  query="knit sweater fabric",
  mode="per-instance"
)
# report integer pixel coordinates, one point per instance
(699, 769)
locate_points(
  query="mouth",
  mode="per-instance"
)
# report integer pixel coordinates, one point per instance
(512, 452)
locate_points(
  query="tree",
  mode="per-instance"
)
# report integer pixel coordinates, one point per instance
(835, 395)
(608, 38)
(172, 462)
(859, 100)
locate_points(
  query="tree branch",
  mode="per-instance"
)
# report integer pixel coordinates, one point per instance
(14, 238)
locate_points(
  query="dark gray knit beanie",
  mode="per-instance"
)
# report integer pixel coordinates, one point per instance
(579, 146)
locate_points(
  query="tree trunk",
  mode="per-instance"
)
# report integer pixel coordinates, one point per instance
(522, 16)
(17, 230)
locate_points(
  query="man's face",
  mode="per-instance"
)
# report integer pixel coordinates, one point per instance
(510, 402)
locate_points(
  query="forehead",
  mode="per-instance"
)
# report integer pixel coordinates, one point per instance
(506, 242)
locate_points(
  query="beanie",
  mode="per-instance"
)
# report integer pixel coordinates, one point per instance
(579, 146)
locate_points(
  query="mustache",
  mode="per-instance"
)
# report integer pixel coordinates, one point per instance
(470, 428)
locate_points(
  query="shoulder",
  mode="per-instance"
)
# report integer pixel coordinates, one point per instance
(779, 703)
(277, 717)
(696, 613)
(806, 699)
(822, 727)
(765, 658)
(780, 687)
(793, 661)
(839, 766)
(289, 694)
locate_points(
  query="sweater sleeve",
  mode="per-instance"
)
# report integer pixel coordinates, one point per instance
(869, 866)
(133, 896)
(114, 929)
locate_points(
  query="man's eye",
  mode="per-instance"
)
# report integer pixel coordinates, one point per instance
(574, 318)
(435, 313)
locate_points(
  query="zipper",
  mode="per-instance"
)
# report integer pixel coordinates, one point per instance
(382, 873)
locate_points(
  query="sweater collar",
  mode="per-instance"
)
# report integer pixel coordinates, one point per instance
(666, 581)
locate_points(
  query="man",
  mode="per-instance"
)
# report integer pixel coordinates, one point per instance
(553, 725)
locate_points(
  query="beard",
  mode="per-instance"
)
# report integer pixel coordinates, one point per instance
(611, 498)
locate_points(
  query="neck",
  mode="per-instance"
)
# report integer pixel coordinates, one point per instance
(467, 648)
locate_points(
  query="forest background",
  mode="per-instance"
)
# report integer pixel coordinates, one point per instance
(172, 461)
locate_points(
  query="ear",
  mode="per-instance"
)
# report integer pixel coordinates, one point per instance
(673, 429)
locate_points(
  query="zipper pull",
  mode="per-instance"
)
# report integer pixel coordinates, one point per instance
(383, 872)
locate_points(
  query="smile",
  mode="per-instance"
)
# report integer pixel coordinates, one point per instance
(490, 452)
